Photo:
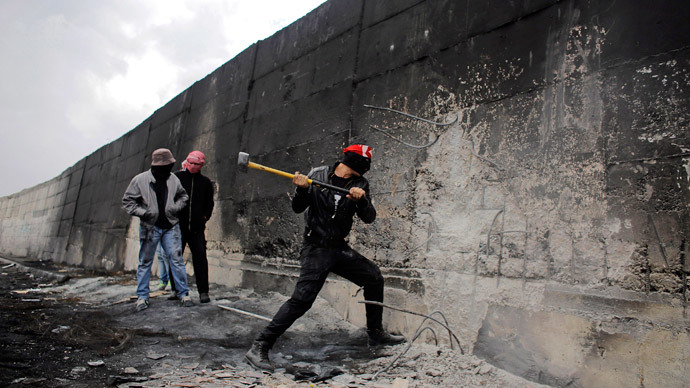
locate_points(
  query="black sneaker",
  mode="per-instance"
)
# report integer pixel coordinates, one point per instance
(381, 337)
(257, 356)
(203, 297)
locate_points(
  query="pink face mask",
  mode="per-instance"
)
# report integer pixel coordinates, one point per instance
(195, 160)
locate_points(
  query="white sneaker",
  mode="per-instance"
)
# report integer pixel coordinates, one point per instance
(186, 301)
(142, 304)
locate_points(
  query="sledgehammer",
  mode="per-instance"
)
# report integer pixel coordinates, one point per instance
(243, 162)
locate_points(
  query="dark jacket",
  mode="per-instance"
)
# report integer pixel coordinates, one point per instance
(200, 190)
(325, 219)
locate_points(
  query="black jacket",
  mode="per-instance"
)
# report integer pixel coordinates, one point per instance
(200, 190)
(326, 219)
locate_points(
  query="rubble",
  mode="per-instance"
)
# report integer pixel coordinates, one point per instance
(91, 320)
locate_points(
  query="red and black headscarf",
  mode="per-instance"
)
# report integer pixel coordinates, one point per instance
(358, 157)
(195, 160)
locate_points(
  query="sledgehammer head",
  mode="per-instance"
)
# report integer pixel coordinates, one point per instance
(243, 161)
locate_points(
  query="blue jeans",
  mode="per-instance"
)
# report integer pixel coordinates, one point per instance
(171, 241)
(163, 265)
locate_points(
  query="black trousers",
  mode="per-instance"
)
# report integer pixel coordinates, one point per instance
(316, 262)
(197, 245)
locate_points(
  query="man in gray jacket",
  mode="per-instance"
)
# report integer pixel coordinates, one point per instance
(146, 194)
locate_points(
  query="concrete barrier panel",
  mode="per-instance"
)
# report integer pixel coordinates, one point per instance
(312, 118)
(377, 11)
(635, 30)
(326, 22)
(324, 67)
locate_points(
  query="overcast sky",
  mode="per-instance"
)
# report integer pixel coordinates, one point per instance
(78, 74)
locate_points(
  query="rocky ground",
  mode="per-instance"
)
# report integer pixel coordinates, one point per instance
(64, 327)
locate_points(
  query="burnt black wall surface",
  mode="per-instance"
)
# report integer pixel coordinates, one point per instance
(562, 158)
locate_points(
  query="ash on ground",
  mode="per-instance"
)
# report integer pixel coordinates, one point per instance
(65, 327)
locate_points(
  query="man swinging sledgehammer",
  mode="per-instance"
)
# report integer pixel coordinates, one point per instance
(329, 215)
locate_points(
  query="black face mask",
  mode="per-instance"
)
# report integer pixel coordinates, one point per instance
(161, 173)
(340, 182)
(357, 162)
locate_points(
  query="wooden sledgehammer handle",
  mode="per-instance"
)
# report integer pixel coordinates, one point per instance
(272, 170)
(288, 175)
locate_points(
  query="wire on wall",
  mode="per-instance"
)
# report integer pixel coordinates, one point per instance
(416, 146)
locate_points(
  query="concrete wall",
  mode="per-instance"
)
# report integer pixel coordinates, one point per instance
(548, 223)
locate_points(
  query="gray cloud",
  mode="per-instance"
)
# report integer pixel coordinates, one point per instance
(79, 74)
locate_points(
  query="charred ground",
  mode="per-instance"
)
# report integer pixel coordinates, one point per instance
(65, 327)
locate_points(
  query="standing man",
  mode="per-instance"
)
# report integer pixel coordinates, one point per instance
(194, 216)
(156, 196)
(328, 221)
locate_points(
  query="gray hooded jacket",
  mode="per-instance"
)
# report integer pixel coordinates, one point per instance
(140, 198)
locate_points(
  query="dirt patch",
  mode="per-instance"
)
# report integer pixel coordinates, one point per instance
(49, 340)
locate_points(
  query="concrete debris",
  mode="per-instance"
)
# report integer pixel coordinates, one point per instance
(247, 378)
(115, 380)
(343, 379)
(311, 372)
(223, 375)
(205, 346)
(434, 372)
(60, 329)
(28, 380)
(244, 313)
(155, 356)
(22, 292)
(192, 365)
(400, 383)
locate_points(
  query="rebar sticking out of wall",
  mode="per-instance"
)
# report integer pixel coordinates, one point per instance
(413, 116)
(501, 234)
(428, 317)
(404, 142)
(430, 233)
(420, 330)
(418, 333)
(416, 146)
(658, 238)
(524, 257)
